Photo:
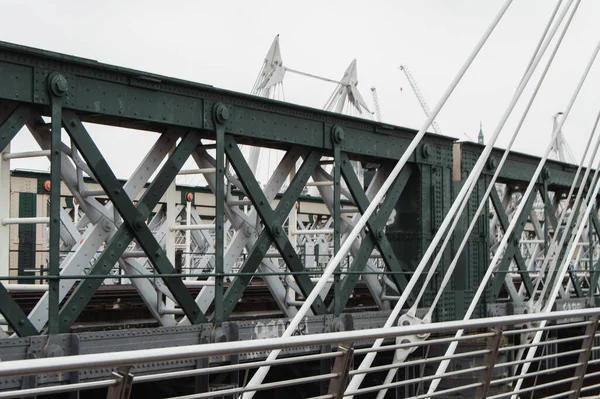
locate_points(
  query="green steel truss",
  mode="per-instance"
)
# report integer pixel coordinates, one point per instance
(73, 92)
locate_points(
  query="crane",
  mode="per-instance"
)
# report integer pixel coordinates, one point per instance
(376, 104)
(417, 91)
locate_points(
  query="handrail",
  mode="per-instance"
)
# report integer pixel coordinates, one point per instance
(124, 358)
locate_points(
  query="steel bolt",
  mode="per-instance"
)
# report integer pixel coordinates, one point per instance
(58, 85)
(277, 231)
(221, 113)
(337, 134)
(546, 174)
(425, 150)
(139, 224)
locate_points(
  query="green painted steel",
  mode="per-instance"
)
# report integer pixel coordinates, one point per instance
(337, 137)
(512, 251)
(27, 238)
(14, 315)
(13, 123)
(220, 116)
(376, 234)
(273, 220)
(36, 83)
(58, 88)
(134, 225)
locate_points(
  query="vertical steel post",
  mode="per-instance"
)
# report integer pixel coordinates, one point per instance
(58, 87)
(170, 236)
(337, 385)
(220, 115)
(337, 136)
(546, 199)
(4, 212)
(591, 243)
(587, 344)
(488, 361)
(122, 389)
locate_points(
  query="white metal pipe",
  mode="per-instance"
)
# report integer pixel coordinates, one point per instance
(26, 154)
(532, 241)
(443, 366)
(311, 231)
(130, 357)
(319, 183)
(175, 311)
(389, 348)
(8, 221)
(92, 192)
(188, 238)
(270, 385)
(310, 75)
(192, 227)
(386, 385)
(197, 171)
(26, 287)
(29, 392)
(417, 362)
(199, 283)
(333, 264)
(232, 367)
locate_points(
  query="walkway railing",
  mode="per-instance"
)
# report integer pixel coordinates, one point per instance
(493, 358)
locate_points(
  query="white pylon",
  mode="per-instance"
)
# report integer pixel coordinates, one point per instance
(347, 93)
(561, 149)
(271, 73)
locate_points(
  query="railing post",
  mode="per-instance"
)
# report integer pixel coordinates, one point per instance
(122, 389)
(488, 361)
(337, 385)
(584, 357)
(220, 116)
(337, 136)
(58, 88)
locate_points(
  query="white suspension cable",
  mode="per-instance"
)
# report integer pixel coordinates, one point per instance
(581, 222)
(564, 266)
(543, 43)
(484, 201)
(444, 364)
(262, 372)
(553, 247)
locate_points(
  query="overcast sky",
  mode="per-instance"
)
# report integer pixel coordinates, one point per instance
(223, 43)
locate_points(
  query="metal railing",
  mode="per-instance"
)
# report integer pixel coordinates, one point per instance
(489, 349)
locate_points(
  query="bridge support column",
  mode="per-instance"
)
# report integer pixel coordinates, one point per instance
(489, 360)
(584, 357)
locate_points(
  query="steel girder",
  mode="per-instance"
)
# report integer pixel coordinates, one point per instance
(92, 92)
(134, 218)
(273, 220)
(103, 225)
